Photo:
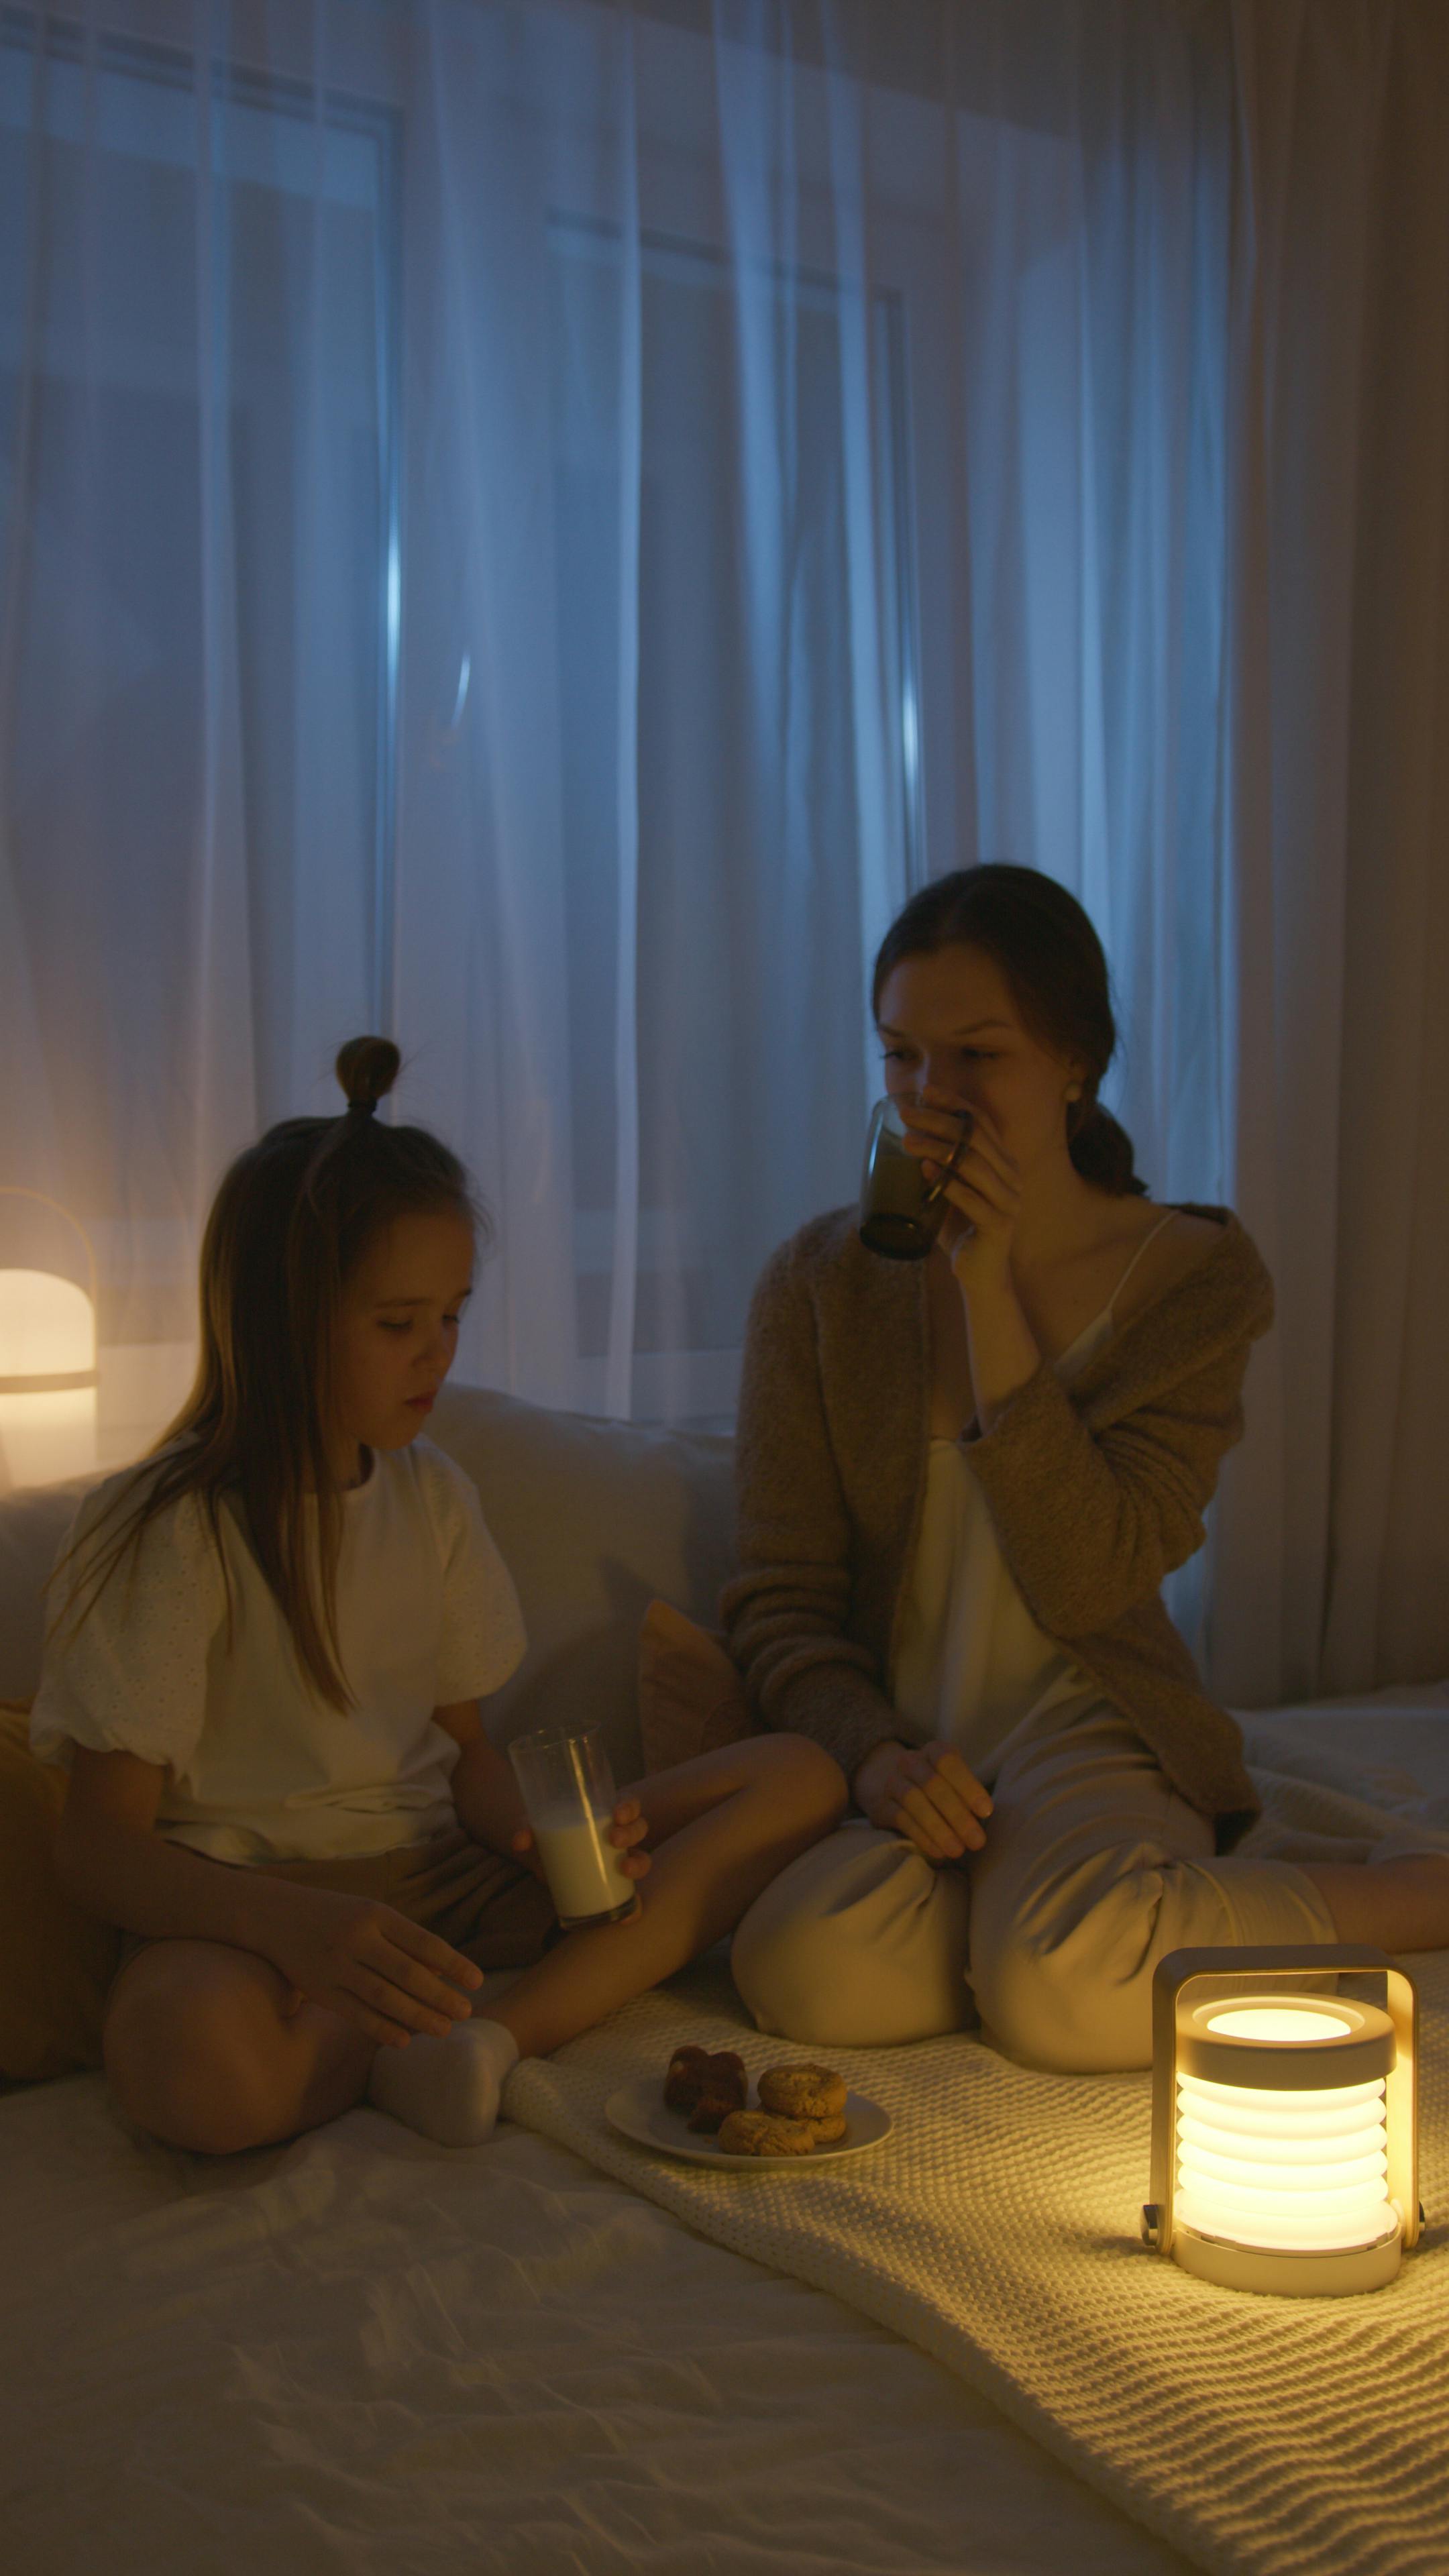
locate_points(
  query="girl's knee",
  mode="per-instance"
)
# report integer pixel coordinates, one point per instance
(799, 1782)
(185, 2100)
(181, 2069)
(812, 1779)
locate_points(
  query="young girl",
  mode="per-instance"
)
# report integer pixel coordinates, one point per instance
(961, 1482)
(265, 1671)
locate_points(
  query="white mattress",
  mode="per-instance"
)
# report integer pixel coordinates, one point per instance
(359, 2350)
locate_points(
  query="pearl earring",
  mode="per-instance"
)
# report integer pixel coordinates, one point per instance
(1074, 1091)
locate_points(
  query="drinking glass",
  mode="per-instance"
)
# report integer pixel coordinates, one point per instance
(901, 1212)
(568, 1790)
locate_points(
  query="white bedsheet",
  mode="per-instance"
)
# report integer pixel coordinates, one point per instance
(363, 2353)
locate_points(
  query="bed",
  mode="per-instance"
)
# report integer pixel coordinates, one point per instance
(552, 2355)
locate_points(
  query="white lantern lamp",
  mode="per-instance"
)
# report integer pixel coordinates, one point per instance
(1284, 2119)
(48, 1372)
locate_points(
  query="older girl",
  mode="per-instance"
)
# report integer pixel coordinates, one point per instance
(266, 1673)
(961, 1485)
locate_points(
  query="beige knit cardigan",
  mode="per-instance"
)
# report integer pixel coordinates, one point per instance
(1096, 1491)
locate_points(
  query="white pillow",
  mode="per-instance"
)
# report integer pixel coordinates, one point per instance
(594, 1519)
(32, 1524)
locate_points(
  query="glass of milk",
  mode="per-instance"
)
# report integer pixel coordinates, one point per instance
(568, 1790)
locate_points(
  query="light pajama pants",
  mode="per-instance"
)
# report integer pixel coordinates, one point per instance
(1094, 1868)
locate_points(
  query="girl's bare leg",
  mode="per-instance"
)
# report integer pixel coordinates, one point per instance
(1393, 1904)
(721, 1827)
(200, 2053)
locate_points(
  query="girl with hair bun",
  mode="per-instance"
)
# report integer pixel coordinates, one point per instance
(961, 1482)
(265, 1673)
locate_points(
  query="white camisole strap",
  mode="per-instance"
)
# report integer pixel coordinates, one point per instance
(1144, 1246)
(1069, 1362)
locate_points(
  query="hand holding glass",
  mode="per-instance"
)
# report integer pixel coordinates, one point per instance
(901, 1212)
(568, 1790)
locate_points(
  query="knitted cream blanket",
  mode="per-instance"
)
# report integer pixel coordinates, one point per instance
(998, 2228)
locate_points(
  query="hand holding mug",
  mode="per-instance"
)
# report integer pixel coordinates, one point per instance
(901, 1210)
(978, 1181)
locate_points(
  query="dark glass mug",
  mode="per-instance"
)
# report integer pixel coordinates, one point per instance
(901, 1212)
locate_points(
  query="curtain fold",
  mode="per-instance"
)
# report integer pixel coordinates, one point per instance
(534, 524)
(1333, 1543)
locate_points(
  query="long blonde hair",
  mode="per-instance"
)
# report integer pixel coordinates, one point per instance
(294, 1217)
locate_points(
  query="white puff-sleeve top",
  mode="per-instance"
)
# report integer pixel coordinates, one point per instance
(258, 1766)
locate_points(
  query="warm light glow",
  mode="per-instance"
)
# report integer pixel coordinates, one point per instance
(1280, 2022)
(47, 1331)
(45, 1438)
(1294, 2170)
(47, 1326)
(1284, 2118)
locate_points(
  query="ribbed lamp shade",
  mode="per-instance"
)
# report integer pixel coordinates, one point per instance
(1283, 2146)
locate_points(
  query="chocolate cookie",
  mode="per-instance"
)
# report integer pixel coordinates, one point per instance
(764, 2133)
(802, 2091)
(707, 2087)
(682, 2081)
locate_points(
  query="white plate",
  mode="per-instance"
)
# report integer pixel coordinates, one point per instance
(639, 2111)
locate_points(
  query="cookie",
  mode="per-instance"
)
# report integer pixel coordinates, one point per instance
(764, 2133)
(713, 2107)
(684, 2080)
(828, 2131)
(707, 2087)
(803, 2091)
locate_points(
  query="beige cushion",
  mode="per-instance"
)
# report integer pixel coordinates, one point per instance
(56, 1963)
(691, 1695)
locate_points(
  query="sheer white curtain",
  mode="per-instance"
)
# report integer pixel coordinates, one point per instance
(652, 794)
(196, 428)
(455, 511)
(533, 526)
(604, 501)
(1333, 1546)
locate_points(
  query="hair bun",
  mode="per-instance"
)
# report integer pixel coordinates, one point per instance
(366, 1069)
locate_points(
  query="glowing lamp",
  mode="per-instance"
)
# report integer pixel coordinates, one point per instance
(1284, 2119)
(47, 1371)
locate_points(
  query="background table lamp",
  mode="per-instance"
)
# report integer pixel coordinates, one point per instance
(47, 1366)
(1284, 2119)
